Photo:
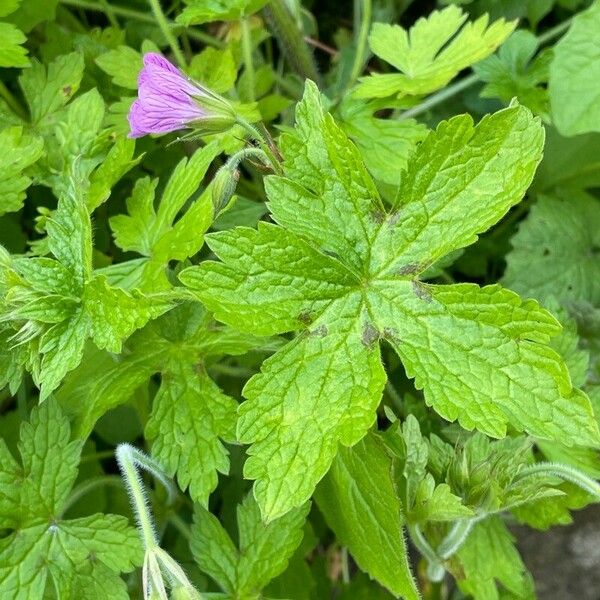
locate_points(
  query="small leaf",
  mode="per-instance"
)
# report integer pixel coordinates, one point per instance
(360, 504)
(432, 53)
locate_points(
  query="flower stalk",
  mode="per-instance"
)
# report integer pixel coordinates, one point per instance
(157, 562)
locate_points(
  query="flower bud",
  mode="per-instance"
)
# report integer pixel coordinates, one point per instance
(223, 187)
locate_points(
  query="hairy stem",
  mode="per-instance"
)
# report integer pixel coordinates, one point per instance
(130, 459)
(455, 538)
(290, 38)
(255, 134)
(435, 569)
(564, 472)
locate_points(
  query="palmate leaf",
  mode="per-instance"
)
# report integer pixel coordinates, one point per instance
(489, 555)
(19, 151)
(431, 53)
(12, 54)
(191, 416)
(39, 545)
(54, 304)
(344, 270)
(155, 233)
(514, 72)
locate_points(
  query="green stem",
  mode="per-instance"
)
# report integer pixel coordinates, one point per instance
(455, 538)
(471, 80)
(291, 40)
(247, 54)
(97, 456)
(440, 97)
(162, 22)
(564, 472)
(136, 15)
(12, 102)
(262, 142)
(395, 397)
(435, 569)
(345, 566)
(129, 459)
(364, 8)
(87, 486)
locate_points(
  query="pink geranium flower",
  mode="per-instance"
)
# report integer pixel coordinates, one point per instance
(168, 100)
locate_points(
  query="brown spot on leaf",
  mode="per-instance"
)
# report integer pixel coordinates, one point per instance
(378, 216)
(421, 291)
(305, 317)
(409, 269)
(391, 334)
(67, 90)
(320, 331)
(370, 335)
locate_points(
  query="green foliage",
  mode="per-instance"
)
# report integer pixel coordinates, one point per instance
(432, 53)
(12, 53)
(264, 549)
(396, 312)
(514, 72)
(359, 501)
(55, 304)
(558, 244)
(574, 76)
(351, 282)
(41, 546)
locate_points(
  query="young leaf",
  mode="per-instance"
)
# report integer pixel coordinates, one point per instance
(123, 64)
(264, 549)
(514, 72)
(189, 417)
(12, 53)
(557, 248)
(360, 503)
(205, 11)
(345, 271)
(385, 144)
(431, 53)
(118, 161)
(40, 545)
(154, 233)
(575, 76)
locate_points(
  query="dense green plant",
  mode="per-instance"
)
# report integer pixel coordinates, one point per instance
(315, 309)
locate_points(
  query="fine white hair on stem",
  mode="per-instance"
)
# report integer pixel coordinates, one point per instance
(156, 560)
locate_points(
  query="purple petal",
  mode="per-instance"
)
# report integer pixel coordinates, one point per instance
(154, 59)
(164, 99)
(161, 114)
(166, 82)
